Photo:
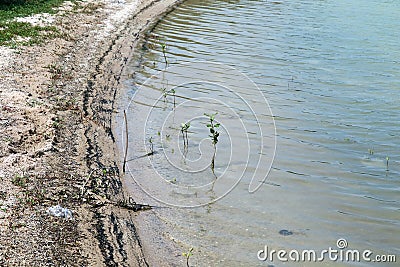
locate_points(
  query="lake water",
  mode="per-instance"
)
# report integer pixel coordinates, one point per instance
(330, 75)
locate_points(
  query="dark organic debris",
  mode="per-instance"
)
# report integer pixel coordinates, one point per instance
(132, 205)
(285, 232)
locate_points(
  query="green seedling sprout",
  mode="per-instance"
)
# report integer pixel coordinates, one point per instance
(387, 163)
(151, 146)
(184, 130)
(164, 51)
(165, 93)
(187, 255)
(214, 134)
(172, 91)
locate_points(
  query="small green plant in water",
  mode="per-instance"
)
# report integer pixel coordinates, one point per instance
(387, 163)
(151, 145)
(164, 51)
(165, 93)
(184, 130)
(187, 255)
(173, 92)
(214, 134)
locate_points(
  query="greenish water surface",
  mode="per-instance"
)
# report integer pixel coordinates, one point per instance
(330, 71)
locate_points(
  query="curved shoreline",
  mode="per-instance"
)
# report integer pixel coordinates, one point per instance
(58, 101)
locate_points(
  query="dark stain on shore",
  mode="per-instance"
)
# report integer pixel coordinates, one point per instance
(132, 230)
(106, 248)
(119, 235)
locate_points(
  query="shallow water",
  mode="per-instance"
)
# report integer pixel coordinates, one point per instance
(330, 73)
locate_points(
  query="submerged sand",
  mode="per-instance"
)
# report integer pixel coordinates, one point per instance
(57, 142)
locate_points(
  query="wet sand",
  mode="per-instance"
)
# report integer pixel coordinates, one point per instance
(57, 140)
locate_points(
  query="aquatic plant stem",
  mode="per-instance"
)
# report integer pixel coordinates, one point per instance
(387, 163)
(187, 255)
(164, 51)
(184, 131)
(214, 134)
(213, 163)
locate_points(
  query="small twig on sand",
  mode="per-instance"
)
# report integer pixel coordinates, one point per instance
(132, 205)
(85, 183)
(129, 205)
(126, 141)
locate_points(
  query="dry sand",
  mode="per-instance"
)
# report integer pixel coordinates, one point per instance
(57, 144)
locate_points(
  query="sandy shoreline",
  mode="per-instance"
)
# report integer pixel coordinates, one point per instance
(57, 141)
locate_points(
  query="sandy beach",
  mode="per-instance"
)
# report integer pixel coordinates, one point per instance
(57, 141)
